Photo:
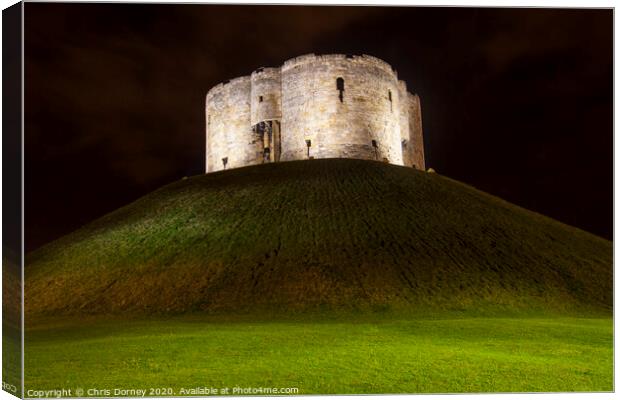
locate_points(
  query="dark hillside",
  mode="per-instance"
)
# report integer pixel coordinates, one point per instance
(320, 234)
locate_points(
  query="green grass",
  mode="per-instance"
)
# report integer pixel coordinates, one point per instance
(364, 354)
(11, 359)
(362, 277)
(11, 322)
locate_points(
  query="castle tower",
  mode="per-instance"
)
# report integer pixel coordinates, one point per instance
(330, 106)
(266, 112)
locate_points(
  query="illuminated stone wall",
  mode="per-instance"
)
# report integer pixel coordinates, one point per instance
(330, 106)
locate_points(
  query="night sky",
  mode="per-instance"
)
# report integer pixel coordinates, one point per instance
(516, 102)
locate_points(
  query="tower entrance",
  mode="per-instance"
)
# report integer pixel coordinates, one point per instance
(269, 136)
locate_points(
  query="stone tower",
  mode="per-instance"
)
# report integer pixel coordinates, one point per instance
(329, 106)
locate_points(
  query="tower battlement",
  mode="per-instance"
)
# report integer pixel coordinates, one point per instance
(314, 106)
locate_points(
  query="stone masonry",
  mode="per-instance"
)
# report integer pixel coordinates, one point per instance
(328, 106)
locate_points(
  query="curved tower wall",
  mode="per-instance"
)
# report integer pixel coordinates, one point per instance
(342, 122)
(341, 106)
(266, 95)
(411, 128)
(415, 131)
(229, 130)
(267, 113)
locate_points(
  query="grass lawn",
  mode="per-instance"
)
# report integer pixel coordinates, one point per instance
(365, 354)
(11, 359)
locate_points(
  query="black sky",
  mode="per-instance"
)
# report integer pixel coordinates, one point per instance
(516, 102)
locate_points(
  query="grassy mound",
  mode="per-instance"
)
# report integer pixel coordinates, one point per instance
(11, 322)
(321, 234)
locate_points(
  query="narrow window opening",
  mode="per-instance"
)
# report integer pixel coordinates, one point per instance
(340, 87)
(374, 145)
(260, 99)
(225, 161)
(308, 144)
(390, 98)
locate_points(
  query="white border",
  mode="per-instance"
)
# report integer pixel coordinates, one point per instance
(479, 3)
